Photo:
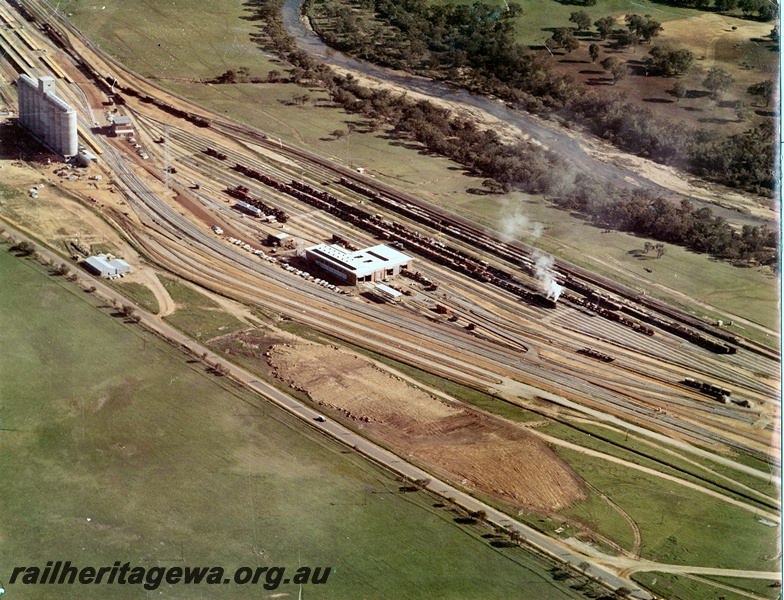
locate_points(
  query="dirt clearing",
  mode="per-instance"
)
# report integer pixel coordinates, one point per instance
(473, 449)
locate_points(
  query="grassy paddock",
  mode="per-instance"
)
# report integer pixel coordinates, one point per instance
(679, 525)
(174, 39)
(764, 588)
(599, 516)
(203, 324)
(618, 438)
(587, 436)
(139, 293)
(151, 460)
(184, 295)
(197, 315)
(679, 587)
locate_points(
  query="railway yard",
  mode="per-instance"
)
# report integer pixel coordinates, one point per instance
(476, 308)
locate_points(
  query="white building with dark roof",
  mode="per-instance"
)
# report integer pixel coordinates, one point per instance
(371, 264)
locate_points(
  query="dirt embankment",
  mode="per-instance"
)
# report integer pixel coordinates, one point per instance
(473, 449)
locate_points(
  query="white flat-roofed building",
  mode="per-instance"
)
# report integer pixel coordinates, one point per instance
(371, 264)
(387, 293)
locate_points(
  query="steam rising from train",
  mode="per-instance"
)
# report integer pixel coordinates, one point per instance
(544, 273)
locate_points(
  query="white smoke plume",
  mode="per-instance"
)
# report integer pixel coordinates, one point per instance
(517, 226)
(543, 269)
(300, 249)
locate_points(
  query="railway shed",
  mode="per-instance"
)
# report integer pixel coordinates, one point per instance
(386, 293)
(371, 264)
(122, 126)
(106, 266)
(84, 158)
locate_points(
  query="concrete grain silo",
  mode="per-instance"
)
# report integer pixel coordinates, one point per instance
(51, 120)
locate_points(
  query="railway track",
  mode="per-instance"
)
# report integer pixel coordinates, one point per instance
(489, 240)
(516, 262)
(163, 215)
(508, 251)
(228, 156)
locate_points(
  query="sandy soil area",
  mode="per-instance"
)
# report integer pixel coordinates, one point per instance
(476, 450)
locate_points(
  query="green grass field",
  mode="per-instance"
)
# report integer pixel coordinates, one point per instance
(618, 438)
(196, 314)
(140, 294)
(176, 39)
(540, 17)
(679, 525)
(766, 589)
(599, 516)
(680, 587)
(184, 295)
(650, 458)
(203, 324)
(115, 447)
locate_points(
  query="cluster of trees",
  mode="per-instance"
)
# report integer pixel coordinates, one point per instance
(563, 38)
(646, 214)
(616, 66)
(472, 45)
(764, 89)
(638, 28)
(481, 150)
(241, 75)
(23, 248)
(645, 28)
(717, 82)
(536, 170)
(267, 12)
(581, 19)
(669, 63)
(764, 10)
(744, 160)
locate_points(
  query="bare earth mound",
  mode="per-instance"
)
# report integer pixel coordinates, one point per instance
(476, 450)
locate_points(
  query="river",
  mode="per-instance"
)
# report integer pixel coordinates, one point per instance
(566, 146)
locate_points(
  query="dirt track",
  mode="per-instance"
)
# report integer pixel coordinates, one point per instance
(473, 449)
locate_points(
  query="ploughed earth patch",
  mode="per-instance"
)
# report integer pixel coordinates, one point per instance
(471, 448)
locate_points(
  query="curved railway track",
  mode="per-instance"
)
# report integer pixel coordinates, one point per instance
(514, 262)
(185, 232)
(685, 410)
